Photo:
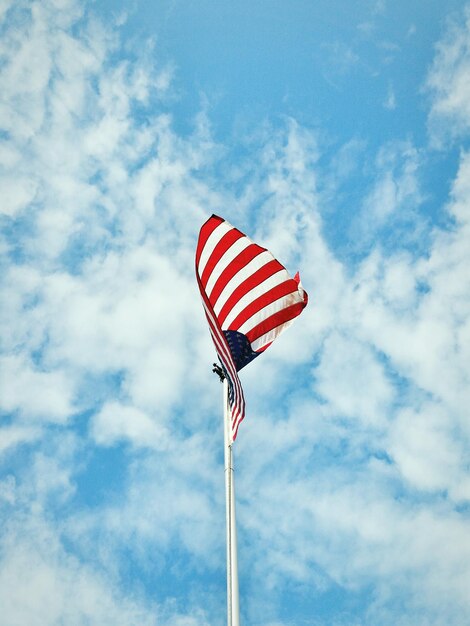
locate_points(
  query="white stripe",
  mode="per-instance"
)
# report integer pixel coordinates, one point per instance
(270, 309)
(213, 239)
(250, 268)
(226, 357)
(238, 246)
(221, 340)
(270, 336)
(237, 408)
(276, 279)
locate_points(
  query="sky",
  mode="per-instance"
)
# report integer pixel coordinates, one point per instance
(337, 135)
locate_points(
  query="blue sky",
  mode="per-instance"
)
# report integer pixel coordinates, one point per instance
(337, 135)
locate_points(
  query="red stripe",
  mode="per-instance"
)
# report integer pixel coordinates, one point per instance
(247, 285)
(275, 320)
(238, 263)
(221, 343)
(264, 347)
(223, 351)
(237, 408)
(220, 249)
(218, 336)
(289, 286)
(235, 430)
(206, 231)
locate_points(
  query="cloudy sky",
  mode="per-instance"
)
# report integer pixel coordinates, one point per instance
(336, 134)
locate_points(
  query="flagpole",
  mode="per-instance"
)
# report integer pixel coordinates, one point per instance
(233, 611)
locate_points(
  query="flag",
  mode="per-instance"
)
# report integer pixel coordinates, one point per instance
(248, 297)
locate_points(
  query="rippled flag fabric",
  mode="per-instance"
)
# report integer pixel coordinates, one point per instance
(248, 297)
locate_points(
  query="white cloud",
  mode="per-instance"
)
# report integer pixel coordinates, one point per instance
(96, 172)
(115, 422)
(16, 195)
(41, 584)
(352, 381)
(338, 60)
(425, 342)
(394, 196)
(391, 100)
(426, 451)
(11, 436)
(448, 82)
(354, 476)
(52, 572)
(7, 489)
(393, 363)
(35, 394)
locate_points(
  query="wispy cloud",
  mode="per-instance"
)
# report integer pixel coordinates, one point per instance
(390, 101)
(353, 473)
(448, 82)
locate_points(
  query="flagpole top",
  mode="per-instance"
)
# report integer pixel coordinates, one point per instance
(219, 371)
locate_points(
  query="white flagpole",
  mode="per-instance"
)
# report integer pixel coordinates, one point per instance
(233, 611)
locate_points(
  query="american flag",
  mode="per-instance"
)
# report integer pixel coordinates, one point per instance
(248, 297)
